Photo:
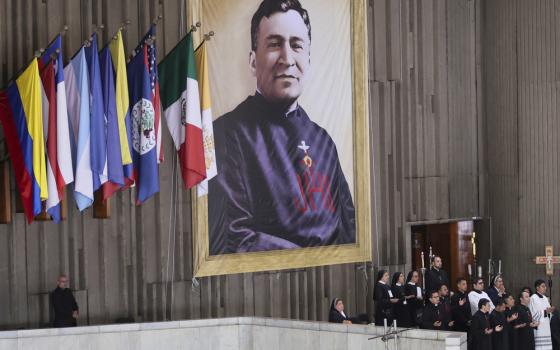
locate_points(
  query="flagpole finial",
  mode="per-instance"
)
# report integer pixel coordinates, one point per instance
(158, 18)
(209, 35)
(64, 30)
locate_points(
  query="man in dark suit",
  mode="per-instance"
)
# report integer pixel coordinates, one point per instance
(280, 184)
(64, 305)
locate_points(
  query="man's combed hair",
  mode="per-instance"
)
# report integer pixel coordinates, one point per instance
(269, 7)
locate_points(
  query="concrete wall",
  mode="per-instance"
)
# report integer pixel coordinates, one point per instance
(243, 333)
(426, 144)
(522, 107)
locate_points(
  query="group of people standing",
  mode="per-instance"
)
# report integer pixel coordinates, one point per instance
(493, 318)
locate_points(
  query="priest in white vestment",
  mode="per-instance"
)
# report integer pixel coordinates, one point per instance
(541, 311)
(478, 293)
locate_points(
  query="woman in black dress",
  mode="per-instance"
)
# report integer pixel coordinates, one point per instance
(415, 299)
(400, 309)
(336, 313)
(384, 300)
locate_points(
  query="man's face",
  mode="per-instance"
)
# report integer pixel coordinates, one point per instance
(281, 58)
(434, 299)
(541, 288)
(437, 262)
(485, 308)
(510, 302)
(525, 298)
(479, 285)
(62, 282)
(462, 286)
(443, 291)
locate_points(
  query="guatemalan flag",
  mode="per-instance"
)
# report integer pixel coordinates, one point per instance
(60, 156)
(21, 115)
(98, 136)
(77, 92)
(114, 160)
(143, 130)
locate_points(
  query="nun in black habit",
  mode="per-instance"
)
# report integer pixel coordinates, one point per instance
(401, 312)
(415, 299)
(336, 313)
(384, 299)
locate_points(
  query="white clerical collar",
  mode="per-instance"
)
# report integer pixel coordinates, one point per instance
(380, 281)
(411, 283)
(398, 284)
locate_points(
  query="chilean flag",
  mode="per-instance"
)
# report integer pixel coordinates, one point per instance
(143, 128)
(55, 181)
(58, 135)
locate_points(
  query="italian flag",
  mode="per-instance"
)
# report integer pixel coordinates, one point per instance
(180, 100)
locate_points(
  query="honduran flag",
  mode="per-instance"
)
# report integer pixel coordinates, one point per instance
(149, 40)
(77, 92)
(98, 136)
(181, 104)
(59, 134)
(114, 160)
(143, 131)
(122, 102)
(55, 182)
(22, 120)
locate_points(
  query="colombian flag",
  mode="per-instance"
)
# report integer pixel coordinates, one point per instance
(21, 115)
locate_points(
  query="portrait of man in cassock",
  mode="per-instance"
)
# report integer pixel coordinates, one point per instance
(280, 184)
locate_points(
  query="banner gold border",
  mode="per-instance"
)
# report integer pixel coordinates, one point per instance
(206, 265)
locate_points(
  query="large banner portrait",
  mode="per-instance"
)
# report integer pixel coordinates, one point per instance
(288, 82)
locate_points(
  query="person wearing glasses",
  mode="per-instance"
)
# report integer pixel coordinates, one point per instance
(433, 317)
(477, 294)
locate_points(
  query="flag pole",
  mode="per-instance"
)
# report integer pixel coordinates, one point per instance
(206, 37)
(89, 40)
(123, 26)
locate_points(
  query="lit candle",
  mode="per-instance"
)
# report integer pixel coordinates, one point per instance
(479, 270)
(499, 267)
(470, 269)
(489, 266)
(422, 258)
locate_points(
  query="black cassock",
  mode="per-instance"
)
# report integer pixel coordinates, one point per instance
(445, 309)
(461, 314)
(480, 340)
(279, 185)
(401, 312)
(413, 305)
(64, 305)
(512, 332)
(555, 330)
(525, 337)
(336, 317)
(500, 340)
(434, 279)
(383, 306)
(431, 314)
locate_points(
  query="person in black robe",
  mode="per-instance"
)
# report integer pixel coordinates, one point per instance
(460, 307)
(511, 318)
(384, 299)
(524, 326)
(64, 305)
(414, 298)
(400, 308)
(445, 307)
(481, 329)
(336, 313)
(435, 276)
(432, 317)
(497, 289)
(500, 338)
(555, 329)
(280, 184)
